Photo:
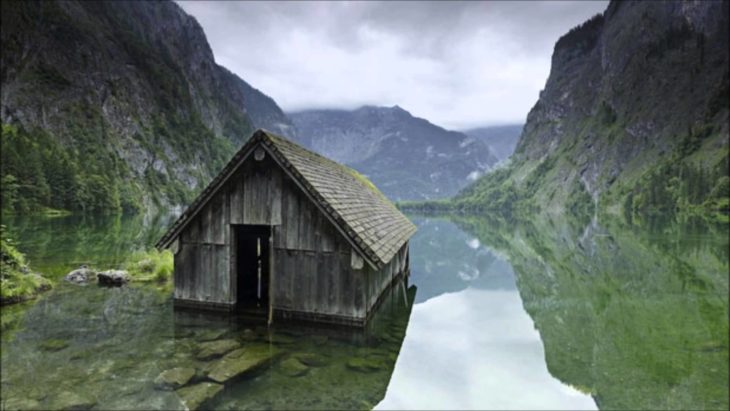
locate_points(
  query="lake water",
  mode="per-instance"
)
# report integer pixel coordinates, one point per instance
(548, 314)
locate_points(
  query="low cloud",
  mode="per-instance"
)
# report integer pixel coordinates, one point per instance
(457, 64)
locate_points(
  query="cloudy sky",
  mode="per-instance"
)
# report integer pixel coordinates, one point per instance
(457, 64)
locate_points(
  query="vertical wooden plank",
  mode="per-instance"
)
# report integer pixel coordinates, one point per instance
(233, 267)
(275, 195)
(272, 278)
(358, 302)
(192, 264)
(320, 285)
(306, 226)
(291, 211)
(332, 283)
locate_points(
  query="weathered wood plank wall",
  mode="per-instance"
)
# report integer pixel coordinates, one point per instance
(314, 267)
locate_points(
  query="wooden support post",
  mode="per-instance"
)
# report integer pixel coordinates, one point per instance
(271, 276)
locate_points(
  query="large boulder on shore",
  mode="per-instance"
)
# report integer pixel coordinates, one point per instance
(113, 277)
(81, 275)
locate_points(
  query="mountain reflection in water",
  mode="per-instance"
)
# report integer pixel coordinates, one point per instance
(520, 315)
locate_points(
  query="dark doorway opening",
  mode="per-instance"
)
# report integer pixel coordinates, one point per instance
(252, 266)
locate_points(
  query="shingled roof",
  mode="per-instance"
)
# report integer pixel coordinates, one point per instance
(361, 212)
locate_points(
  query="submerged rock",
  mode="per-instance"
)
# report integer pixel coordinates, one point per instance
(174, 378)
(242, 361)
(81, 275)
(194, 396)
(311, 359)
(113, 277)
(361, 364)
(68, 400)
(210, 335)
(14, 403)
(293, 367)
(280, 339)
(212, 349)
(53, 344)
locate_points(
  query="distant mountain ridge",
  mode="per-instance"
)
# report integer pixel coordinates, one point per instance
(407, 157)
(502, 140)
(633, 118)
(116, 105)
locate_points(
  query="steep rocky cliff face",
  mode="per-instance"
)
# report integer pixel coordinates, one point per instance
(407, 157)
(501, 140)
(634, 116)
(109, 105)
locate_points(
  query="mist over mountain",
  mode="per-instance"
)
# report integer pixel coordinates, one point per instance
(407, 157)
(501, 140)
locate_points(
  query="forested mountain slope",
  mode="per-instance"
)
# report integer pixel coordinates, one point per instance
(116, 105)
(634, 117)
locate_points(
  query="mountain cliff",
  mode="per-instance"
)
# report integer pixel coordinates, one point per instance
(633, 117)
(405, 156)
(501, 140)
(116, 105)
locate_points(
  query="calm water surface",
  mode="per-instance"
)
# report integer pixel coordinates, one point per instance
(536, 315)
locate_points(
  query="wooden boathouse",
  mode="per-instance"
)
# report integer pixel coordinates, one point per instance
(287, 233)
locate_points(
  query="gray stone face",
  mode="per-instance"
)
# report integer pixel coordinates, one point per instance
(81, 275)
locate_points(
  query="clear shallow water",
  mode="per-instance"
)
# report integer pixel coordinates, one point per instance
(547, 315)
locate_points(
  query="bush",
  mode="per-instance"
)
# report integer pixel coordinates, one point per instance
(150, 265)
(17, 282)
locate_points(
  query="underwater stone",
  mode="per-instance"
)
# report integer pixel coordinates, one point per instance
(364, 364)
(194, 396)
(174, 378)
(113, 277)
(20, 404)
(311, 359)
(81, 275)
(53, 345)
(242, 361)
(293, 367)
(68, 400)
(210, 335)
(280, 339)
(212, 349)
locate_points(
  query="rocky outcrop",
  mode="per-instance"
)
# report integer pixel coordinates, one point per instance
(81, 275)
(406, 157)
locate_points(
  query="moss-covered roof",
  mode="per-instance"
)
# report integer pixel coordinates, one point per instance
(350, 200)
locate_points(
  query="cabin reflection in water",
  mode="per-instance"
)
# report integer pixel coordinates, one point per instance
(283, 232)
(292, 365)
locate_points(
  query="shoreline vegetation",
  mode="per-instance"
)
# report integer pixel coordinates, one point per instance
(19, 283)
